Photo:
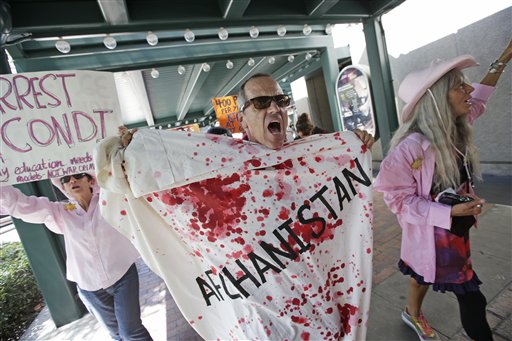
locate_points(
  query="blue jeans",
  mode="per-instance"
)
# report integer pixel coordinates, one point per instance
(117, 307)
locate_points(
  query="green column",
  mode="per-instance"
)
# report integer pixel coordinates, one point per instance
(46, 255)
(331, 70)
(381, 81)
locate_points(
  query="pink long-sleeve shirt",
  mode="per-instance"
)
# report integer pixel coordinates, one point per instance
(97, 254)
(406, 187)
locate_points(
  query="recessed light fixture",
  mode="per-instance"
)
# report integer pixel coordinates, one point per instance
(254, 32)
(110, 42)
(281, 31)
(189, 36)
(152, 38)
(62, 46)
(223, 34)
(306, 30)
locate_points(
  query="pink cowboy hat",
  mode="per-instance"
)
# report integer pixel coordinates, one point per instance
(416, 83)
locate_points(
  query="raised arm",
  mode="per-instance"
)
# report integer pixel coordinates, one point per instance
(497, 67)
(31, 209)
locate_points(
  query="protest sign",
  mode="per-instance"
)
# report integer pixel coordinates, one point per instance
(226, 110)
(50, 122)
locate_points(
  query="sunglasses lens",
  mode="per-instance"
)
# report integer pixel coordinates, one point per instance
(282, 100)
(67, 178)
(262, 102)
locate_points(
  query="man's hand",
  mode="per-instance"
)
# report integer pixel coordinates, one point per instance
(126, 135)
(366, 137)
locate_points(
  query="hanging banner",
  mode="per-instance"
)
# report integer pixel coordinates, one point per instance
(252, 243)
(189, 127)
(355, 99)
(50, 122)
(226, 110)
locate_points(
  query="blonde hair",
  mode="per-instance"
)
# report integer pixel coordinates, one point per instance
(444, 130)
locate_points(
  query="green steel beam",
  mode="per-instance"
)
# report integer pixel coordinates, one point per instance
(134, 57)
(46, 255)
(381, 81)
(330, 69)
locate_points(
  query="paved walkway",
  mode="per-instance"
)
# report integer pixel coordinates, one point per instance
(492, 259)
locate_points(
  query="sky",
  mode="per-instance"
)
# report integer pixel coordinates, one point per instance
(413, 24)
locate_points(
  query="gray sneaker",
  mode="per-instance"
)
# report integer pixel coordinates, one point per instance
(420, 326)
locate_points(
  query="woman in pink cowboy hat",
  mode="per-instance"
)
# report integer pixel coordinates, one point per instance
(100, 260)
(432, 159)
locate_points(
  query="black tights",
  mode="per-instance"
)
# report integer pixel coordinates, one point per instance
(472, 314)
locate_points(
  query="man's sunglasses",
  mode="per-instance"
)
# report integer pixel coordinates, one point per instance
(67, 178)
(263, 102)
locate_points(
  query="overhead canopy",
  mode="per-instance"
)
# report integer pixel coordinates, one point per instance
(186, 95)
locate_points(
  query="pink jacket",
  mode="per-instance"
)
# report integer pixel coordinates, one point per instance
(97, 254)
(406, 185)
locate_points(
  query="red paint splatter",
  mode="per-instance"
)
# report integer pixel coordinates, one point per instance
(299, 319)
(346, 311)
(217, 202)
(267, 193)
(104, 202)
(368, 250)
(123, 212)
(305, 336)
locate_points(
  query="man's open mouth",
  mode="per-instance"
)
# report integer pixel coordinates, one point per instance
(274, 127)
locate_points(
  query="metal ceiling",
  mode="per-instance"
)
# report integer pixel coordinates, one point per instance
(38, 24)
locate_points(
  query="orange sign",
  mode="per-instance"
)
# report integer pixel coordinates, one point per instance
(226, 110)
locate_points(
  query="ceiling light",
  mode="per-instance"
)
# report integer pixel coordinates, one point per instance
(206, 67)
(155, 73)
(181, 70)
(254, 32)
(152, 38)
(168, 125)
(271, 60)
(281, 30)
(328, 29)
(250, 62)
(229, 64)
(308, 56)
(62, 46)
(306, 30)
(291, 58)
(189, 36)
(110, 42)
(223, 33)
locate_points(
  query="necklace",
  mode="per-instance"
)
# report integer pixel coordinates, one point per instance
(465, 164)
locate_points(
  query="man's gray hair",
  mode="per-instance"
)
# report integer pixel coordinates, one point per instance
(242, 97)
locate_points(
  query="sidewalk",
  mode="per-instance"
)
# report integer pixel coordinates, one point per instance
(492, 259)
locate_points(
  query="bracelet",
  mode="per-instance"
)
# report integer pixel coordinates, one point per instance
(493, 68)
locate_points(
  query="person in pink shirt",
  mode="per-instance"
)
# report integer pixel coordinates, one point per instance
(100, 260)
(431, 154)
